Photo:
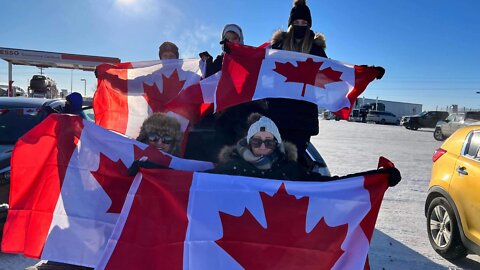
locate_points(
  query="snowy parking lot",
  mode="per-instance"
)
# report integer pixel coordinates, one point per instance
(400, 240)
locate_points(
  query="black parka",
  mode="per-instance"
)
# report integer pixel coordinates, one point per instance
(284, 168)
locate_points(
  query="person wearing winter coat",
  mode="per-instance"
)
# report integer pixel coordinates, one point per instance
(262, 153)
(230, 123)
(297, 120)
(231, 33)
(162, 131)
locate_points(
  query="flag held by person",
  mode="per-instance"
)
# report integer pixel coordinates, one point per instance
(250, 73)
(210, 221)
(127, 93)
(65, 199)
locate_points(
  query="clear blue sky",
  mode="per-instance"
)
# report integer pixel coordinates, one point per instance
(430, 48)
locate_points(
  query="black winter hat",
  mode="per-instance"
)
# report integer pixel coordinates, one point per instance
(300, 10)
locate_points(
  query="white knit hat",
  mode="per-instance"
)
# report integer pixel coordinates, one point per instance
(233, 28)
(264, 124)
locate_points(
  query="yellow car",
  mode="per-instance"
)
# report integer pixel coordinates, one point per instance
(452, 207)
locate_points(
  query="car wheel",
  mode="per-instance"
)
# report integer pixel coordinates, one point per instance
(438, 135)
(382, 121)
(414, 126)
(443, 231)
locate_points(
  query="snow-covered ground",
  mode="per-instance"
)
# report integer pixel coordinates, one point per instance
(400, 240)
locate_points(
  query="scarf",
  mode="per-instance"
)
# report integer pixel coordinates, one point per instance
(261, 162)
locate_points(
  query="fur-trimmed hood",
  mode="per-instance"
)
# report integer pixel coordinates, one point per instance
(229, 152)
(162, 124)
(319, 38)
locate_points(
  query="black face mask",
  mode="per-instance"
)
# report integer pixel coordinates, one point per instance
(299, 31)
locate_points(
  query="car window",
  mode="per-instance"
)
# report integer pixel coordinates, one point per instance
(14, 122)
(473, 115)
(472, 144)
(450, 117)
(459, 117)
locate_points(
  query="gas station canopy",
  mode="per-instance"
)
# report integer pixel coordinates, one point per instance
(54, 59)
(50, 59)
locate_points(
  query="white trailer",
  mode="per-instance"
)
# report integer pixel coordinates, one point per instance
(398, 108)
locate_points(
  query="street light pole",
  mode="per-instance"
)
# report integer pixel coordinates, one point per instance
(85, 86)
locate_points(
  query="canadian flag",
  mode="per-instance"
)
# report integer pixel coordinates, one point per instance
(69, 182)
(189, 220)
(127, 93)
(250, 73)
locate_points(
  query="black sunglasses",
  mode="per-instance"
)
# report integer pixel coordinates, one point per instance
(166, 139)
(269, 143)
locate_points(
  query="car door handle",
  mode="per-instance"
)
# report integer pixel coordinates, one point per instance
(462, 170)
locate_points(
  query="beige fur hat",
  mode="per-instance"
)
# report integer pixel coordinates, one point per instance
(162, 124)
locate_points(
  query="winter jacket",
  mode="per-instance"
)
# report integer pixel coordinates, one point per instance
(284, 168)
(291, 114)
(318, 46)
(297, 120)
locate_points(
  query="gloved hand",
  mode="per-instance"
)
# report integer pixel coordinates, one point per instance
(394, 176)
(381, 72)
(225, 47)
(133, 170)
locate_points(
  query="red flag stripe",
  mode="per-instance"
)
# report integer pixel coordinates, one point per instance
(110, 102)
(239, 76)
(363, 76)
(34, 190)
(159, 202)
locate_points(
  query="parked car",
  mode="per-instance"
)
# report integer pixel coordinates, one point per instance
(453, 122)
(453, 200)
(43, 87)
(19, 92)
(427, 119)
(17, 116)
(382, 118)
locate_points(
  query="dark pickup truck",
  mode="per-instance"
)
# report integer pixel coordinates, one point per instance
(423, 120)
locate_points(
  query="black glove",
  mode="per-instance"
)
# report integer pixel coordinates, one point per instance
(133, 170)
(381, 72)
(394, 176)
(206, 54)
(225, 47)
(137, 164)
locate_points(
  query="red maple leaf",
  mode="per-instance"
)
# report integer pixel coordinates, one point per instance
(171, 87)
(114, 179)
(153, 154)
(284, 244)
(307, 72)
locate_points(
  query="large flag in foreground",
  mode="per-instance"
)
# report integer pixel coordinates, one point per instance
(184, 220)
(250, 73)
(68, 186)
(127, 93)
